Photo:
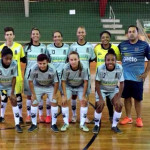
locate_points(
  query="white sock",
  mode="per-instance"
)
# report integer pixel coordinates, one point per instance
(54, 112)
(48, 107)
(65, 113)
(3, 108)
(20, 108)
(97, 118)
(28, 104)
(74, 106)
(34, 114)
(16, 114)
(41, 108)
(83, 114)
(116, 118)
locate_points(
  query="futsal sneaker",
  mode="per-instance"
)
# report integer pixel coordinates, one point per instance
(28, 119)
(48, 119)
(126, 120)
(41, 119)
(18, 128)
(2, 119)
(96, 129)
(64, 127)
(21, 120)
(84, 128)
(87, 120)
(116, 130)
(139, 122)
(32, 128)
(54, 128)
(74, 119)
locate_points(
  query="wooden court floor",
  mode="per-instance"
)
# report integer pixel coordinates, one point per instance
(133, 138)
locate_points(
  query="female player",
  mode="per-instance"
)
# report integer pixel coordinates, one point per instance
(8, 73)
(75, 82)
(32, 50)
(86, 53)
(43, 80)
(58, 52)
(101, 50)
(107, 77)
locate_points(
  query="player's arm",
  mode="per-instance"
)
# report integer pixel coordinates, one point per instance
(13, 85)
(31, 86)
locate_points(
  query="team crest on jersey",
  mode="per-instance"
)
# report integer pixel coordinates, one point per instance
(49, 76)
(12, 72)
(64, 52)
(99, 53)
(15, 52)
(87, 50)
(124, 48)
(53, 51)
(41, 50)
(36, 75)
(0, 72)
(136, 49)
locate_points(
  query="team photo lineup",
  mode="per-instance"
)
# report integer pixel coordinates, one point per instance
(59, 68)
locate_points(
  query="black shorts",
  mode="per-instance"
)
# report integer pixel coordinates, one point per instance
(133, 89)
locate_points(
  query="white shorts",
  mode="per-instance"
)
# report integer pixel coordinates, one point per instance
(109, 94)
(40, 91)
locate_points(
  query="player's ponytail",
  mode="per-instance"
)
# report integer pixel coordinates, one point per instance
(112, 52)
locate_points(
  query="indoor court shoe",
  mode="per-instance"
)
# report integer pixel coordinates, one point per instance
(32, 128)
(54, 128)
(64, 127)
(126, 120)
(28, 119)
(139, 122)
(18, 128)
(96, 129)
(21, 120)
(2, 119)
(48, 119)
(41, 119)
(74, 119)
(84, 128)
(116, 130)
(87, 120)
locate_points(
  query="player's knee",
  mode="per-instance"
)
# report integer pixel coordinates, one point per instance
(40, 107)
(19, 97)
(48, 106)
(73, 107)
(4, 97)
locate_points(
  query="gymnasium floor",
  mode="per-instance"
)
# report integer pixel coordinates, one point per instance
(133, 138)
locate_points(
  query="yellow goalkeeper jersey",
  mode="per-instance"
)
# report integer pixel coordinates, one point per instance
(18, 53)
(100, 53)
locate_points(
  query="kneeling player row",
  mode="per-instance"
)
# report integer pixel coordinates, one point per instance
(43, 79)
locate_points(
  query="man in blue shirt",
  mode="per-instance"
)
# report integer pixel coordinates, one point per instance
(133, 53)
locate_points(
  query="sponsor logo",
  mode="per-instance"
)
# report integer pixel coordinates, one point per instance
(129, 59)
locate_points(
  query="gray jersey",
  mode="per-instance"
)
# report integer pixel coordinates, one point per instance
(6, 75)
(109, 79)
(32, 54)
(86, 52)
(58, 56)
(74, 78)
(43, 79)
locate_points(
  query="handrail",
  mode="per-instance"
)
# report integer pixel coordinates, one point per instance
(112, 15)
(141, 30)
